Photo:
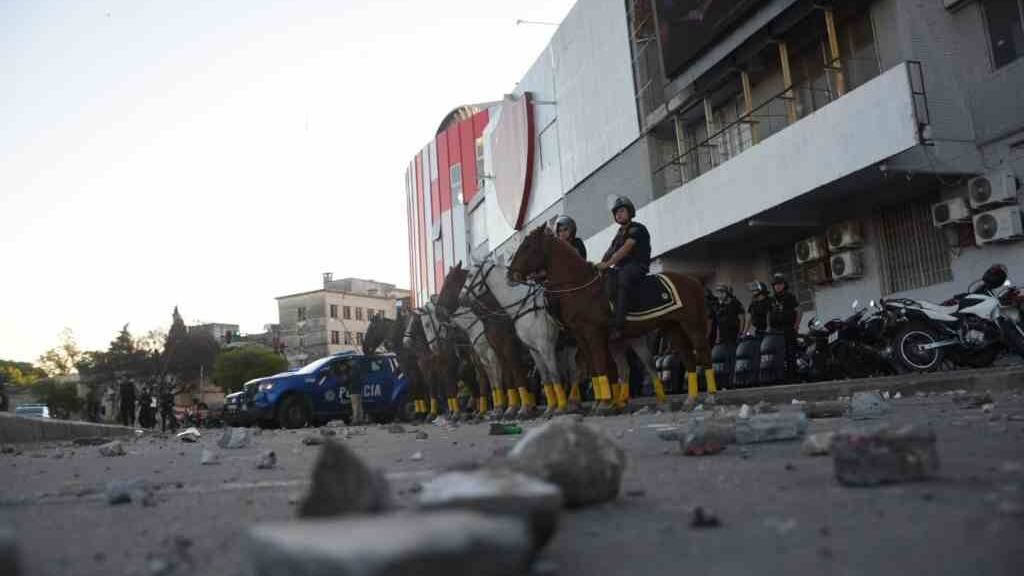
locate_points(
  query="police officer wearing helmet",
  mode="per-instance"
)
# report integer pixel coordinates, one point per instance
(565, 227)
(784, 317)
(629, 254)
(729, 315)
(759, 307)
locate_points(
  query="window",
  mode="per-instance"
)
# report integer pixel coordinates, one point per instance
(359, 338)
(334, 310)
(1005, 20)
(369, 313)
(301, 313)
(359, 313)
(376, 366)
(346, 312)
(348, 338)
(335, 337)
(455, 174)
(783, 261)
(912, 253)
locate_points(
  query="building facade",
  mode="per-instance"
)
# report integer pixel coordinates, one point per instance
(222, 333)
(862, 148)
(334, 318)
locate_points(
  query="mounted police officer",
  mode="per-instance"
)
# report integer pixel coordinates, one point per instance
(565, 227)
(784, 317)
(630, 255)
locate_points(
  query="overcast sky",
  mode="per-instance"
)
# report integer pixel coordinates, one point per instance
(215, 154)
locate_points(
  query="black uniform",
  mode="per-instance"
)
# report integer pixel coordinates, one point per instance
(758, 311)
(783, 317)
(167, 419)
(127, 390)
(630, 269)
(730, 313)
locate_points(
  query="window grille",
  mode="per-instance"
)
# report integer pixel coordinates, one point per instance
(912, 252)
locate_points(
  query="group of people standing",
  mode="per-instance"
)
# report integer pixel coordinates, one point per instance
(146, 407)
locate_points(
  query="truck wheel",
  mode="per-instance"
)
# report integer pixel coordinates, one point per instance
(404, 411)
(908, 353)
(292, 412)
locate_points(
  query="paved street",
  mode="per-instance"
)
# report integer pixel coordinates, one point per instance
(780, 511)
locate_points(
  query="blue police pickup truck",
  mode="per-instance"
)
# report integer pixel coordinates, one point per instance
(315, 394)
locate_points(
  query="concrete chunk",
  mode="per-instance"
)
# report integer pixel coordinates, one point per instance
(884, 455)
(343, 484)
(429, 544)
(234, 438)
(868, 405)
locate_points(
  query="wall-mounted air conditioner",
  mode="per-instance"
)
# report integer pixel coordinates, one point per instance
(844, 236)
(999, 225)
(994, 188)
(810, 250)
(950, 212)
(847, 265)
(817, 273)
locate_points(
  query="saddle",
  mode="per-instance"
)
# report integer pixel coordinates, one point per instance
(652, 296)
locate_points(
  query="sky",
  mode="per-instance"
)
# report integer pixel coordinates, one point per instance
(214, 154)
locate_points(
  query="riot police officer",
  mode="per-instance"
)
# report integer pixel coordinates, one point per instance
(630, 255)
(784, 317)
(565, 227)
(759, 308)
(729, 315)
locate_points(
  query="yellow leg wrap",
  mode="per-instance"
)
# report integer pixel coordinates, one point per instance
(481, 405)
(433, 406)
(513, 398)
(455, 406)
(691, 384)
(560, 398)
(420, 407)
(526, 397)
(624, 392)
(549, 396)
(574, 393)
(709, 378)
(659, 390)
(499, 398)
(602, 390)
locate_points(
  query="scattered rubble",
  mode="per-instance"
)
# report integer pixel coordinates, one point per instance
(973, 400)
(124, 491)
(671, 434)
(771, 427)
(267, 461)
(703, 518)
(706, 436)
(328, 432)
(235, 438)
(884, 455)
(313, 440)
(343, 484)
(867, 405)
(190, 434)
(421, 435)
(115, 448)
(819, 444)
(209, 457)
(576, 457)
(826, 409)
(396, 429)
(502, 492)
(91, 441)
(455, 543)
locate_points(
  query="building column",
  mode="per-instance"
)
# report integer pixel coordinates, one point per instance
(787, 80)
(833, 45)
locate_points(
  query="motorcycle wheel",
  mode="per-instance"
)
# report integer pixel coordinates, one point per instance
(906, 343)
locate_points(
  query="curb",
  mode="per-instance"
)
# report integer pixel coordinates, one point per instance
(23, 430)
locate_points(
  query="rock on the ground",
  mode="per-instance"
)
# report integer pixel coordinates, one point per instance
(826, 409)
(452, 543)
(396, 429)
(771, 427)
(502, 492)
(819, 444)
(8, 552)
(343, 484)
(115, 448)
(577, 457)
(190, 434)
(234, 438)
(884, 455)
(267, 461)
(704, 518)
(91, 441)
(868, 405)
(745, 411)
(416, 457)
(973, 400)
(209, 457)
(124, 491)
(421, 435)
(706, 436)
(313, 440)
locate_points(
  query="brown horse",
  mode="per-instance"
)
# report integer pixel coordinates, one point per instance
(579, 288)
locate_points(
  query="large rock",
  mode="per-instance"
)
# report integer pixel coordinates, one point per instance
(8, 552)
(496, 491)
(234, 438)
(115, 448)
(577, 457)
(868, 405)
(884, 455)
(454, 543)
(125, 491)
(705, 436)
(771, 427)
(343, 484)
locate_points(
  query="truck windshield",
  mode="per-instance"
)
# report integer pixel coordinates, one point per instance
(315, 365)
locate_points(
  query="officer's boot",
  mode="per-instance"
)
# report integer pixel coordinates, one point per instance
(357, 410)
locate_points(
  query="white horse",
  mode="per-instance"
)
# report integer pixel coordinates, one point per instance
(527, 307)
(466, 321)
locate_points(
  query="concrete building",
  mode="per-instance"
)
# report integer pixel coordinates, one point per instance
(863, 148)
(334, 318)
(222, 333)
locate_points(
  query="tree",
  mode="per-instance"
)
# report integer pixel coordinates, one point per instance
(61, 398)
(188, 354)
(239, 365)
(61, 359)
(19, 373)
(152, 341)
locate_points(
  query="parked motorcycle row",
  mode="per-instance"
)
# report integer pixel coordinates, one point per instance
(888, 337)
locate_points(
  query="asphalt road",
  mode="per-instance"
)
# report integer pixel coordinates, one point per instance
(780, 512)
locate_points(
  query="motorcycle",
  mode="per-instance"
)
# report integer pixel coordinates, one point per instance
(854, 347)
(971, 329)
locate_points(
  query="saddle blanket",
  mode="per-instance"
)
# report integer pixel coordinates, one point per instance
(651, 297)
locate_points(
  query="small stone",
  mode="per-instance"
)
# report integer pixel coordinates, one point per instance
(763, 407)
(114, 448)
(884, 455)
(577, 457)
(501, 492)
(972, 400)
(897, 395)
(91, 441)
(421, 435)
(416, 457)
(790, 467)
(672, 434)
(636, 493)
(313, 440)
(797, 402)
(819, 444)
(867, 405)
(827, 409)
(267, 461)
(189, 435)
(987, 408)
(159, 566)
(745, 412)
(124, 491)
(327, 432)
(396, 429)
(885, 395)
(1015, 417)
(702, 518)
(209, 457)
(342, 484)
(235, 438)
(453, 543)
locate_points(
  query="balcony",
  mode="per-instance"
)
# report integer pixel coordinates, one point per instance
(879, 119)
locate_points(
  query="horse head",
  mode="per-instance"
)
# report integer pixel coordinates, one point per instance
(532, 254)
(448, 298)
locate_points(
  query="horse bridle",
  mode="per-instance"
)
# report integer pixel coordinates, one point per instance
(477, 288)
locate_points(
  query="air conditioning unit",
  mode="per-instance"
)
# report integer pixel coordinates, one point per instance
(844, 235)
(847, 265)
(999, 225)
(950, 212)
(810, 250)
(817, 273)
(994, 188)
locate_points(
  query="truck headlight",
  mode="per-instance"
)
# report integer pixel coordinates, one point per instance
(266, 387)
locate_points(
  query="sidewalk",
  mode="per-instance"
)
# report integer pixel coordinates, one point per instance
(21, 430)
